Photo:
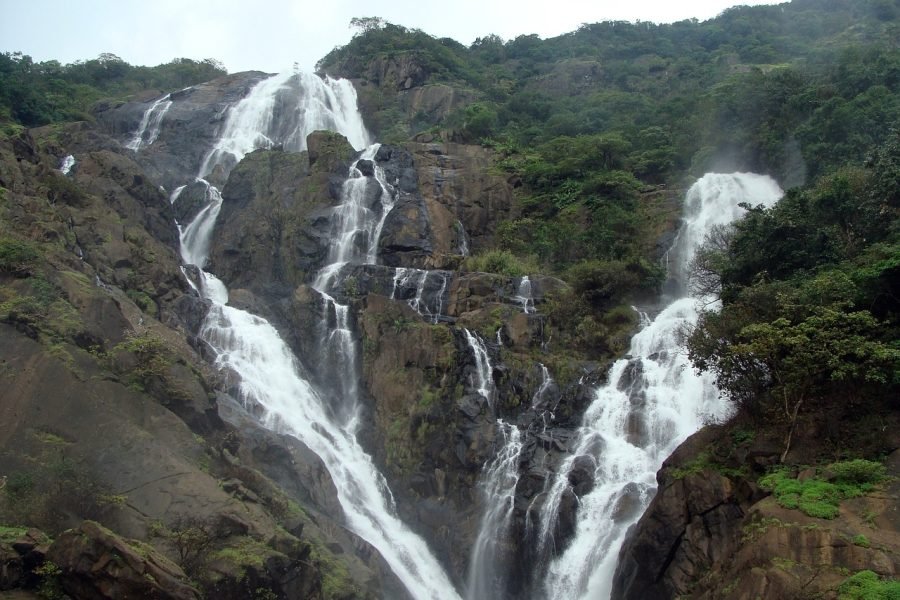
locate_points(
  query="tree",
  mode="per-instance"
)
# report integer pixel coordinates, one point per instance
(364, 25)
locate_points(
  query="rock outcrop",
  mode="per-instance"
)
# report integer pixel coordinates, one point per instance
(189, 130)
(712, 533)
(110, 412)
(96, 564)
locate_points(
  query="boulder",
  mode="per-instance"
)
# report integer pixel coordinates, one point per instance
(97, 564)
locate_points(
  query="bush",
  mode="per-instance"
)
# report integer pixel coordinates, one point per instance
(501, 262)
(17, 257)
(866, 585)
(857, 471)
(821, 499)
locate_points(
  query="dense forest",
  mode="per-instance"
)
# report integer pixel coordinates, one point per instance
(601, 131)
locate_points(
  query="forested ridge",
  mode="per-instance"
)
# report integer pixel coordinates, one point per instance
(807, 91)
(599, 132)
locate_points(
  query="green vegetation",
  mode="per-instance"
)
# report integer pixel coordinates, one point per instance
(866, 585)
(153, 358)
(810, 322)
(17, 257)
(11, 534)
(502, 262)
(33, 94)
(821, 498)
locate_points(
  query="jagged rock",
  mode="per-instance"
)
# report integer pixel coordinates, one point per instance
(399, 71)
(581, 476)
(190, 201)
(270, 234)
(328, 151)
(458, 177)
(405, 240)
(366, 167)
(97, 564)
(186, 134)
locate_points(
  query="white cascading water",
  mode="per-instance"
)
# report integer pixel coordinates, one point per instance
(524, 296)
(66, 165)
(537, 401)
(196, 237)
(463, 239)
(148, 130)
(484, 382)
(429, 305)
(271, 380)
(356, 225)
(652, 402)
(498, 490)
(303, 103)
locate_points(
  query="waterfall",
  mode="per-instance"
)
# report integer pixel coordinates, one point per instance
(483, 370)
(463, 239)
(498, 490)
(66, 164)
(196, 237)
(176, 194)
(270, 377)
(653, 401)
(416, 286)
(358, 220)
(283, 110)
(148, 130)
(524, 297)
(546, 381)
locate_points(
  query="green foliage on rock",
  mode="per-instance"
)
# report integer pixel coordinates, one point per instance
(821, 498)
(33, 94)
(867, 585)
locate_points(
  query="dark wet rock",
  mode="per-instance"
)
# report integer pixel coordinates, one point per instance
(188, 130)
(366, 167)
(581, 476)
(191, 200)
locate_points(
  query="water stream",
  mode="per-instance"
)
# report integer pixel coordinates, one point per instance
(270, 377)
(148, 130)
(653, 400)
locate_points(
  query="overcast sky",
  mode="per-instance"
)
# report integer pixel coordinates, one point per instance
(270, 35)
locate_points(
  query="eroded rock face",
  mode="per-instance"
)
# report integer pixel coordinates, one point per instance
(456, 177)
(714, 536)
(188, 131)
(107, 395)
(98, 564)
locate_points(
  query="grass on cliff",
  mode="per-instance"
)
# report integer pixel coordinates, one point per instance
(866, 585)
(820, 497)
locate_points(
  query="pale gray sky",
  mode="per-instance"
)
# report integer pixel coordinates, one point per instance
(270, 35)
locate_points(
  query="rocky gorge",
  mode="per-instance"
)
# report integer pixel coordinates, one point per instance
(157, 475)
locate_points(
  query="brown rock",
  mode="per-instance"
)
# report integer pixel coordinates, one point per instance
(98, 564)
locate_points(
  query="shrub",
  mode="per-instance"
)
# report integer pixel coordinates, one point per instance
(501, 262)
(818, 498)
(866, 585)
(857, 471)
(17, 257)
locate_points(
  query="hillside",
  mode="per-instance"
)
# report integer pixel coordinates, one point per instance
(260, 344)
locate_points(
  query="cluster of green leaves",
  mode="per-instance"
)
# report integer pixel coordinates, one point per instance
(821, 498)
(502, 262)
(810, 292)
(33, 94)
(17, 257)
(866, 585)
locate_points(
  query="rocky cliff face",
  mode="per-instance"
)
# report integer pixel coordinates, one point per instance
(110, 412)
(713, 532)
